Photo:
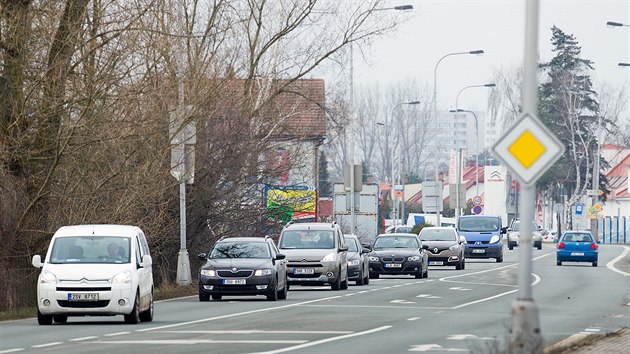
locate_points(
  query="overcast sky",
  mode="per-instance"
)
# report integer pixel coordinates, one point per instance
(439, 27)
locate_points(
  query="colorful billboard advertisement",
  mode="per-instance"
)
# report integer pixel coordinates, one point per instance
(286, 203)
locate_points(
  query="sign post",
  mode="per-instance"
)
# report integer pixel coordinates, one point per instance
(528, 148)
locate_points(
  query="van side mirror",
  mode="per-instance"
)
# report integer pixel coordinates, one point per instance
(504, 230)
(37, 261)
(146, 261)
(202, 256)
(462, 239)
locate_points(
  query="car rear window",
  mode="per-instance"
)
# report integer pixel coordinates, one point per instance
(577, 237)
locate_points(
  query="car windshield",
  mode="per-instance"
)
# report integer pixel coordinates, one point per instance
(516, 226)
(395, 242)
(352, 245)
(231, 249)
(437, 235)
(304, 239)
(90, 249)
(577, 237)
(479, 224)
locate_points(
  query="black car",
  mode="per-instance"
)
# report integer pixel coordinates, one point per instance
(358, 262)
(243, 266)
(398, 253)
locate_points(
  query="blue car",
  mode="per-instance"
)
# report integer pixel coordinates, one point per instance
(577, 246)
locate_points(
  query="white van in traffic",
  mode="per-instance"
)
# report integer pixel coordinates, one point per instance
(95, 270)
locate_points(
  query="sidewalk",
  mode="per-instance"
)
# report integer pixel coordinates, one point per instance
(616, 342)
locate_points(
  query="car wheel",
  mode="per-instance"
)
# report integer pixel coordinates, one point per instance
(539, 245)
(595, 264)
(44, 319)
(420, 274)
(60, 318)
(282, 295)
(500, 259)
(336, 285)
(203, 296)
(459, 264)
(373, 276)
(147, 315)
(366, 278)
(344, 284)
(510, 245)
(426, 272)
(558, 263)
(361, 279)
(217, 297)
(134, 316)
(463, 263)
(272, 295)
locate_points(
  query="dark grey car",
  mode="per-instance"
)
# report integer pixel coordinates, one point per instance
(445, 246)
(358, 261)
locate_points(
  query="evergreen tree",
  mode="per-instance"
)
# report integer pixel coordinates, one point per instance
(324, 187)
(568, 106)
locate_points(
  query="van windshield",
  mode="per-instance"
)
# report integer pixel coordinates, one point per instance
(91, 249)
(479, 224)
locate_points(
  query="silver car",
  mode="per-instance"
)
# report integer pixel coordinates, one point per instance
(445, 246)
(316, 254)
(514, 232)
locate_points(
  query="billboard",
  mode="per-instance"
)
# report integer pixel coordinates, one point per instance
(286, 203)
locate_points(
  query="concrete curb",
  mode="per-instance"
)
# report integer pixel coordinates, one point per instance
(573, 342)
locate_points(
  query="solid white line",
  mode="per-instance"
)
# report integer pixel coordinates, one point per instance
(327, 340)
(12, 350)
(82, 338)
(115, 334)
(536, 281)
(199, 341)
(46, 345)
(256, 331)
(611, 264)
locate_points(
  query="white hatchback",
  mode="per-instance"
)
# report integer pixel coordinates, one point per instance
(95, 270)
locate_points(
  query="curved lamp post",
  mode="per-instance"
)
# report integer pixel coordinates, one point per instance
(435, 115)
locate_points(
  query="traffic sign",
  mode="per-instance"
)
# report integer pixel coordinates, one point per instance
(477, 209)
(477, 200)
(578, 209)
(528, 148)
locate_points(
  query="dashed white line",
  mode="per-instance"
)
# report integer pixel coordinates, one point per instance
(12, 350)
(82, 338)
(46, 345)
(413, 318)
(115, 334)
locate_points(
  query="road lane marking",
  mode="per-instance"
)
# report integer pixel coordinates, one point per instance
(12, 350)
(434, 347)
(459, 288)
(611, 264)
(46, 345)
(401, 302)
(467, 336)
(327, 340)
(257, 331)
(536, 281)
(429, 296)
(82, 338)
(413, 318)
(197, 341)
(115, 334)
(384, 307)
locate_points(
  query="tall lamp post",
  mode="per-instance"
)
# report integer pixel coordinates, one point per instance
(352, 121)
(435, 117)
(477, 138)
(402, 177)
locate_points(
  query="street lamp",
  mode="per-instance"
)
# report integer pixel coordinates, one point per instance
(352, 119)
(477, 139)
(435, 117)
(400, 162)
(393, 194)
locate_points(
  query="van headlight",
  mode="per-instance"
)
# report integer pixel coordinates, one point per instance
(329, 257)
(494, 239)
(261, 272)
(122, 277)
(47, 278)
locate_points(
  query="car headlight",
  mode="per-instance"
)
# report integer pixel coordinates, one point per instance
(261, 272)
(414, 258)
(494, 239)
(373, 259)
(454, 247)
(355, 262)
(329, 257)
(208, 272)
(47, 277)
(122, 277)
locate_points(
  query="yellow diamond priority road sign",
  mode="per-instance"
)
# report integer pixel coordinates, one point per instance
(528, 148)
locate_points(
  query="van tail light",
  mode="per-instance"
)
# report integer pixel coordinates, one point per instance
(561, 245)
(593, 246)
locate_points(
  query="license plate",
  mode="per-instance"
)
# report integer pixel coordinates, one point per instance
(83, 297)
(436, 263)
(233, 281)
(577, 253)
(478, 251)
(393, 265)
(303, 271)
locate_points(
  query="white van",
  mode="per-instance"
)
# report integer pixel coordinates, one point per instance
(95, 270)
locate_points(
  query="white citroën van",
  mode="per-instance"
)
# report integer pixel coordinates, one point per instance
(95, 270)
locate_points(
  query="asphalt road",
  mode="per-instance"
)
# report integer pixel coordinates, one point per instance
(451, 311)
